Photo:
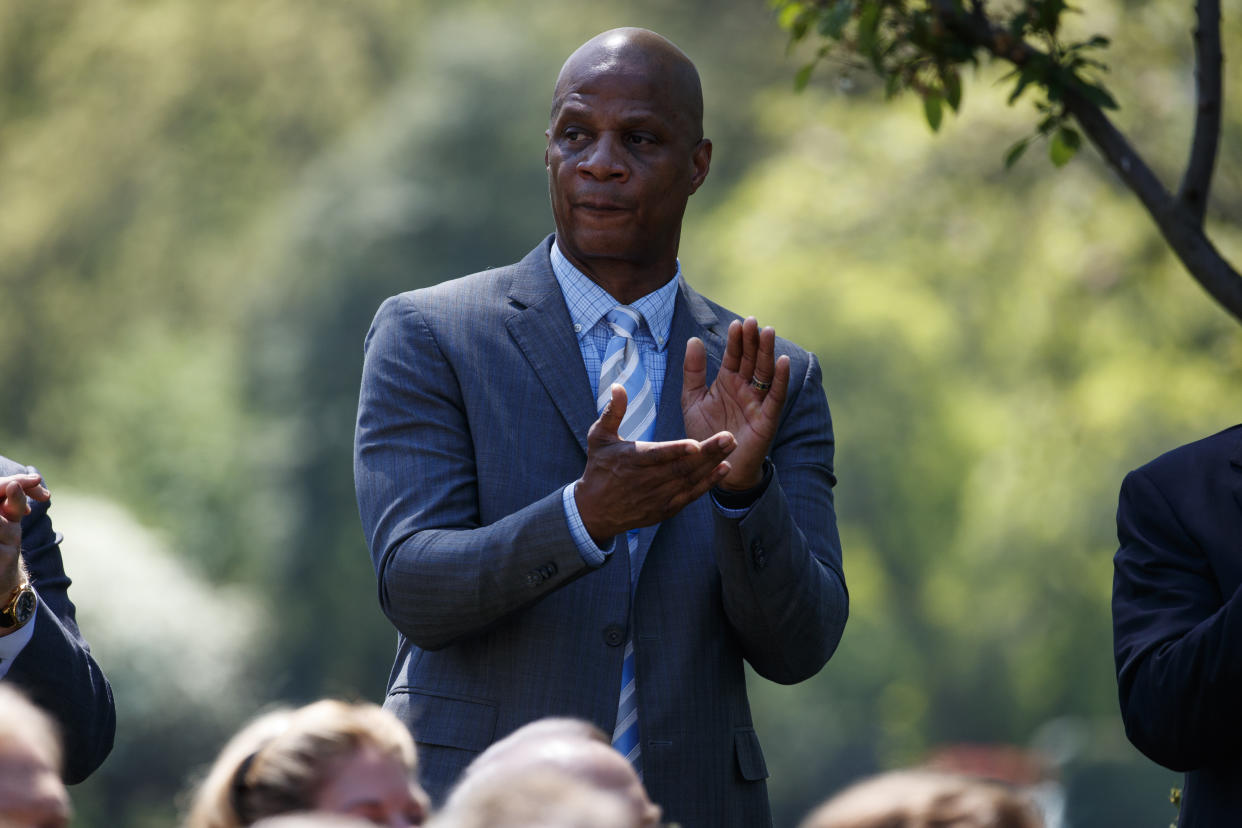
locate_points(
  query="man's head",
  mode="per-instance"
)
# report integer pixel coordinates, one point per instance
(625, 151)
(915, 798)
(31, 793)
(538, 797)
(568, 746)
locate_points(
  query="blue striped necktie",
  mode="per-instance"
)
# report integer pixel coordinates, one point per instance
(623, 366)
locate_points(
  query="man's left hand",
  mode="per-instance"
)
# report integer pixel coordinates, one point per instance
(745, 400)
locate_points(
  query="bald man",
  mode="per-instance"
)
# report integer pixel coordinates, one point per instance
(591, 492)
(571, 747)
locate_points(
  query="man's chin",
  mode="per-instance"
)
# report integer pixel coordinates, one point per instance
(604, 247)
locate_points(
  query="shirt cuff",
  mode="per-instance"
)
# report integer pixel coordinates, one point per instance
(737, 504)
(592, 555)
(12, 644)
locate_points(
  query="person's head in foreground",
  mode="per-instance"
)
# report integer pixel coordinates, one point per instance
(537, 797)
(312, 819)
(924, 799)
(351, 759)
(31, 792)
(568, 747)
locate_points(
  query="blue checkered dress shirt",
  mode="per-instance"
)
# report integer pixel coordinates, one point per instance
(587, 303)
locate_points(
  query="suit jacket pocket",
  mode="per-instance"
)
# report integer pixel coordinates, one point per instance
(449, 721)
(749, 755)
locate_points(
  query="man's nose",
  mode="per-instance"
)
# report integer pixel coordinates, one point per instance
(605, 159)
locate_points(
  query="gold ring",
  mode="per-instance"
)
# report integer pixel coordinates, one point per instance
(760, 384)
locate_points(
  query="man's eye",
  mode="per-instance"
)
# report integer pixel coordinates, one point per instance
(575, 135)
(637, 139)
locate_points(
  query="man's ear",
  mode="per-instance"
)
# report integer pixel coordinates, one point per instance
(547, 133)
(701, 158)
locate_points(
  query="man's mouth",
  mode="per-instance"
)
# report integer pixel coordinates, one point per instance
(601, 206)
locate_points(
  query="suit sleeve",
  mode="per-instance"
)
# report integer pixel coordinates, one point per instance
(56, 668)
(783, 586)
(441, 574)
(1177, 640)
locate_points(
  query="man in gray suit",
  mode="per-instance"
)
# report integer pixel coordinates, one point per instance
(539, 552)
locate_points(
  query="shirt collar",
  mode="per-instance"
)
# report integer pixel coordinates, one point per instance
(588, 302)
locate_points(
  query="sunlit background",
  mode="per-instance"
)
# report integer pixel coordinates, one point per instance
(203, 203)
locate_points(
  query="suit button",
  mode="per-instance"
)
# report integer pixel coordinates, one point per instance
(533, 579)
(614, 635)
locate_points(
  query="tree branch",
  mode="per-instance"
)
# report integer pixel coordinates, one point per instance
(1209, 94)
(1181, 226)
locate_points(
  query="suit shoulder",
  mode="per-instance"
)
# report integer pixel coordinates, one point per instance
(473, 291)
(8, 467)
(793, 350)
(475, 296)
(1216, 450)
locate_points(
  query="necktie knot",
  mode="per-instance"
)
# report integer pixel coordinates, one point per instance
(624, 321)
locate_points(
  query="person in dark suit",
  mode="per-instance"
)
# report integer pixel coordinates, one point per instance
(1177, 620)
(41, 649)
(590, 492)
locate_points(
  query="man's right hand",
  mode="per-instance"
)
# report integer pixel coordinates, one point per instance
(627, 485)
(14, 490)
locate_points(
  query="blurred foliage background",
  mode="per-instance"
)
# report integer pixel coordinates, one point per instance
(203, 204)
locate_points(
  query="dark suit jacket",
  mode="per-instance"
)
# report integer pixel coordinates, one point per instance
(473, 415)
(56, 669)
(1177, 620)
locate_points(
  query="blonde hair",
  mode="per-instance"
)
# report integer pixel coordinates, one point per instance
(278, 762)
(923, 799)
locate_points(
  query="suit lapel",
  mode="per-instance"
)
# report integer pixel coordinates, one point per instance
(542, 329)
(691, 317)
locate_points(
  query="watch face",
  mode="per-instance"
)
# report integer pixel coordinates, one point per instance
(25, 606)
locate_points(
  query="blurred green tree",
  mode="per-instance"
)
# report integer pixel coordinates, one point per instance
(205, 203)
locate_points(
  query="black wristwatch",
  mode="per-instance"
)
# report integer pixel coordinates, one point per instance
(20, 607)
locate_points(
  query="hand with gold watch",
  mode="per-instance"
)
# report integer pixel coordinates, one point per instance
(19, 608)
(17, 597)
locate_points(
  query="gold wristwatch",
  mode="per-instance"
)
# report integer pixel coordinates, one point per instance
(19, 608)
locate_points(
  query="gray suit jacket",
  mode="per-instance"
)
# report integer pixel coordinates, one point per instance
(474, 411)
(56, 668)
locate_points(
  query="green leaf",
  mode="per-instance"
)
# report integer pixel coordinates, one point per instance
(1050, 15)
(1065, 144)
(892, 85)
(1098, 95)
(933, 110)
(795, 18)
(803, 77)
(789, 11)
(1024, 80)
(868, 27)
(832, 23)
(1015, 152)
(953, 88)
